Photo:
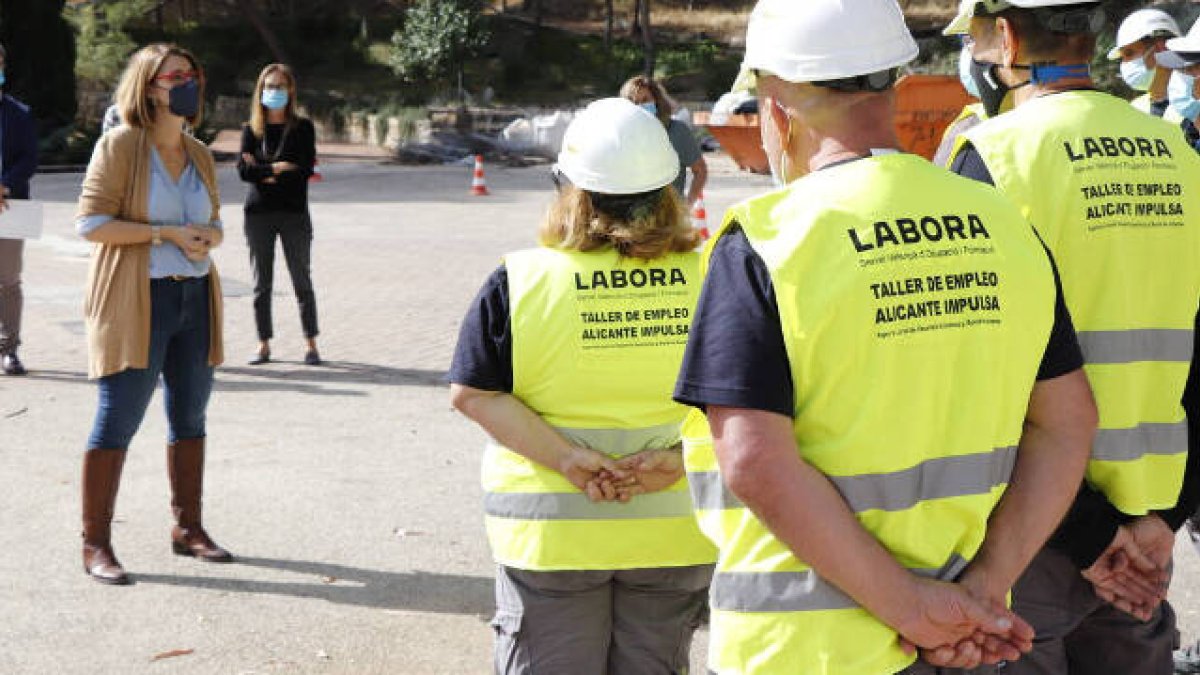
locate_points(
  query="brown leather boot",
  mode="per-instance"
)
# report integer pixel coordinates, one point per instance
(185, 466)
(101, 478)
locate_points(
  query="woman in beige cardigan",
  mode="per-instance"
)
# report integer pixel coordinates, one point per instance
(153, 300)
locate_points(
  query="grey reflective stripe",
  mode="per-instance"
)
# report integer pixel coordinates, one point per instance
(796, 591)
(1127, 445)
(621, 442)
(709, 492)
(932, 479)
(938, 478)
(576, 506)
(1129, 346)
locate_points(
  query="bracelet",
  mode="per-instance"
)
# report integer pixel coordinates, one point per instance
(156, 235)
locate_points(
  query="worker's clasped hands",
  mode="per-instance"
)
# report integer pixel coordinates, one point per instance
(603, 478)
(963, 624)
(1133, 573)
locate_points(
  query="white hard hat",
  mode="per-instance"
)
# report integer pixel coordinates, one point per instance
(615, 147)
(967, 10)
(1142, 24)
(820, 40)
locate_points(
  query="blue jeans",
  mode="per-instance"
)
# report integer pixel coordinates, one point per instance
(179, 341)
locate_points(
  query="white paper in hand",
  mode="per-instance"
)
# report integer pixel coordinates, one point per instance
(21, 220)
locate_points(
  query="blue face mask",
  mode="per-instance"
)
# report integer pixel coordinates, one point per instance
(964, 72)
(1, 78)
(1179, 92)
(650, 107)
(274, 99)
(1136, 74)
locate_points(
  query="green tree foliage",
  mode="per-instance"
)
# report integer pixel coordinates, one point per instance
(437, 37)
(41, 58)
(103, 43)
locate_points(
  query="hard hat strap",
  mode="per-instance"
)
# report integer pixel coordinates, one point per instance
(881, 80)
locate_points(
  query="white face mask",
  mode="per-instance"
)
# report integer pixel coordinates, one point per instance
(1179, 91)
(964, 72)
(779, 168)
(1136, 74)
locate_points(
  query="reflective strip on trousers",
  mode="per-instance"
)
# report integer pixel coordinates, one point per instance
(576, 506)
(622, 442)
(1131, 346)
(797, 591)
(938, 478)
(1127, 445)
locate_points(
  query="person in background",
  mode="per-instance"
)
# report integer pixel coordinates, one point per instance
(1142, 36)
(1183, 90)
(278, 151)
(652, 96)
(18, 162)
(971, 115)
(1125, 231)
(566, 359)
(153, 299)
(111, 120)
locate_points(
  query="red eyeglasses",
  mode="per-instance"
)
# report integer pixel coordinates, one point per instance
(176, 77)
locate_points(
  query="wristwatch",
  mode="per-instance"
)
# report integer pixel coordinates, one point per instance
(156, 235)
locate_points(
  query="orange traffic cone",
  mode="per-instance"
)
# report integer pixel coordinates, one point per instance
(700, 217)
(478, 183)
(316, 176)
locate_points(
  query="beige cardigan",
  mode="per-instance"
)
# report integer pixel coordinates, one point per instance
(117, 298)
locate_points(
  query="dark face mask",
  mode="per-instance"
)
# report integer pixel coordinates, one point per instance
(185, 99)
(992, 90)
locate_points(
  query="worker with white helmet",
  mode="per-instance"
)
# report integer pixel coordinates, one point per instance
(1141, 38)
(1182, 56)
(895, 417)
(969, 117)
(566, 359)
(1111, 192)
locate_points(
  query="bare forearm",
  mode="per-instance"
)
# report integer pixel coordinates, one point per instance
(699, 180)
(1051, 460)
(512, 424)
(804, 511)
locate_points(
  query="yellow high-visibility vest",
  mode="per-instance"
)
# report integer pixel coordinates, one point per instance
(597, 341)
(1115, 194)
(915, 307)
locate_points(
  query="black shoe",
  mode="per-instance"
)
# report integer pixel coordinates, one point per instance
(12, 365)
(259, 358)
(312, 358)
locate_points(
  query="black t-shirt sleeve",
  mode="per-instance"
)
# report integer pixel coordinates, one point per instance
(483, 355)
(1159, 108)
(968, 163)
(735, 355)
(1063, 353)
(251, 173)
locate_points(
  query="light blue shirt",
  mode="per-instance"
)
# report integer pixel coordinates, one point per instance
(171, 203)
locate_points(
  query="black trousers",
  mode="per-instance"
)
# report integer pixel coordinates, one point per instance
(295, 231)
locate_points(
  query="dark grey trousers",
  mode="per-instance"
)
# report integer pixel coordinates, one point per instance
(1080, 634)
(618, 622)
(11, 299)
(295, 231)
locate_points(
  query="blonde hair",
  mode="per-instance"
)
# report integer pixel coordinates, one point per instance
(132, 99)
(639, 85)
(258, 112)
(574, 223)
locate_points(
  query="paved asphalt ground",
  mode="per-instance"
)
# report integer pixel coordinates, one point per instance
(349, 492)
